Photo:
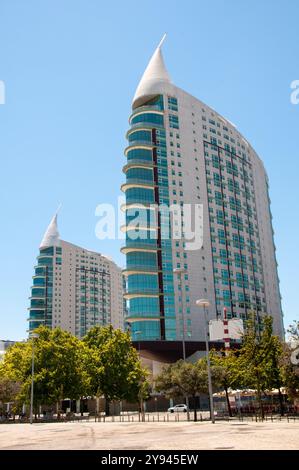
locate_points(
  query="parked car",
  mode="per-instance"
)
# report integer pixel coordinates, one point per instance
(178, 408)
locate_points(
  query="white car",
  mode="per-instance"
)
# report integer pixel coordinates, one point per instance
(178, 408)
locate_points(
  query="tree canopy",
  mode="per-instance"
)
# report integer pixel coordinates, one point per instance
(114, 365)
(58, 366)
(186, 379)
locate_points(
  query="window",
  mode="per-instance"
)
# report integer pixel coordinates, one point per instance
(173, 121)
(172, 103)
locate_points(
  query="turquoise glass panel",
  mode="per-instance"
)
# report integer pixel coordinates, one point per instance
(148, 117)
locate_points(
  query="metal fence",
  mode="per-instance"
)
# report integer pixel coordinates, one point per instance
(160, 417)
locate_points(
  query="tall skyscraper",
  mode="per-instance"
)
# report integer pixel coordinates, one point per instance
(181, 152)
(74, 288)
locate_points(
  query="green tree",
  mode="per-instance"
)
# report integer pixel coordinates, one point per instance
(186, 379)
(228, 376)
(58, 367)
(9, 389)
(114, 367)
(258, 364)
(271, 354)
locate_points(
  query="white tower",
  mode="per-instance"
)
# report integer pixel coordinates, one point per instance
(180, 151)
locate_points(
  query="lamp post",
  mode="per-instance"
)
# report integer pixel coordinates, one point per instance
(203, 303)
(179, 272)
(33, 336)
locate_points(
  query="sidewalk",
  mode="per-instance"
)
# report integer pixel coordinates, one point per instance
(157, 435)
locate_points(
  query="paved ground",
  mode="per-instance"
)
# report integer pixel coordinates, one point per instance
(128, 436)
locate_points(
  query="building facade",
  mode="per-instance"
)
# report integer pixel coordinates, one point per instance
(4, 345)
(74, 288)
(183, 154)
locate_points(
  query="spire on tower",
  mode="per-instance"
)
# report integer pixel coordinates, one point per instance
(154, 76)
(51, 236)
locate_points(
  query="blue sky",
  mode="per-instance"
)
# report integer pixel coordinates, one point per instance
(70, 69)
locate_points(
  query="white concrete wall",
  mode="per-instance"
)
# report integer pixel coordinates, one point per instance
(200, 266)
(66, 313)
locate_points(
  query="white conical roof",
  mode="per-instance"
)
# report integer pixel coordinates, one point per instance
(154, 76)
(51, 236)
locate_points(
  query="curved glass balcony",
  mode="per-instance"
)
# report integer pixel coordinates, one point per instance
(37, 303)
(135, 318)
(150, 117)
(141, 243)
(139, 195)
(143, 125)
(150, 329)
(139, 144)
(141, 174)
(142, 154)
(142, 259)
(137, 295)
(145, 108)
(33, 324)
(139, 269)
(142, 292)
(136, 163)
(141, 248)
(136, 183)
(139, 135)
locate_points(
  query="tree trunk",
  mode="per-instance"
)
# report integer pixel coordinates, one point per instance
(141, 405)
(97, 407)
(195, 410)
(228, 402)
(281, 402)
(107, 407)
(259, 399)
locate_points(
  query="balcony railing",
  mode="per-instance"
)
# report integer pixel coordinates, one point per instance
(132, 143)
(139, 181)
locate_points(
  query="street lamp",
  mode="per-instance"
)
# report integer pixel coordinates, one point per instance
(32, 336)
(204, 303)
(179, 272)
